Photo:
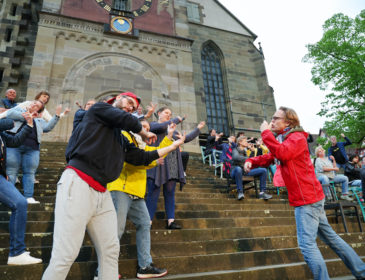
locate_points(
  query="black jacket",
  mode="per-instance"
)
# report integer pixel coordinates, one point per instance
(10, 140)
(352, 172)
(97, 148)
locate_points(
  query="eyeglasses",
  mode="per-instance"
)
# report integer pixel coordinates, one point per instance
(276, 118)
(131, 103)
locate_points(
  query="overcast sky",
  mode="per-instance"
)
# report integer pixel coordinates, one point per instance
(284, 27)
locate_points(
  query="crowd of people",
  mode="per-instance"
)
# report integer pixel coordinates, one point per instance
(118, 161)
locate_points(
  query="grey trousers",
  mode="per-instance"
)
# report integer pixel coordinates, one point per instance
(80, 207)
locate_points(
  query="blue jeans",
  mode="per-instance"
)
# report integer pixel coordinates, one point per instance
(29, 160)
(311, 221)
(12, 198)
(237, 173)
(136, 211)
(169, 197)
(323, 179)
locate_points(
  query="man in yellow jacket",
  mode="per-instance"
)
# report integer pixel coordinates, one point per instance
(128, 192)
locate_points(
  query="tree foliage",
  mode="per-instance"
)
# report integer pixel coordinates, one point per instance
(339, 67)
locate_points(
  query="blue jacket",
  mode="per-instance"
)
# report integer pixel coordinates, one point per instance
(41, 125)
(226, 157)
(341, 146)
(8, 140)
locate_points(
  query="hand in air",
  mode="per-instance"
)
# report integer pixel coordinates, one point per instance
(265, 126)
(181, 139)
(67, 110)
(28, 117)
(201, 125)
(149, 138)
(170, 130)
(150, 110)
(58, 110)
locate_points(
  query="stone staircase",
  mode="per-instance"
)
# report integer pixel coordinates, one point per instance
(222, 238)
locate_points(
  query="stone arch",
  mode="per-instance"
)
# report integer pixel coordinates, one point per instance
(105, 72)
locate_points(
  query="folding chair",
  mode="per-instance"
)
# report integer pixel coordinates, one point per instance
(332, 203)
(217, 164)
(205, 157)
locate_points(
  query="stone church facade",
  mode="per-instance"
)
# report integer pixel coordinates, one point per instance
(191, 55)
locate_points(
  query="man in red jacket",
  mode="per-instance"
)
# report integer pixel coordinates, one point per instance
(290, 150)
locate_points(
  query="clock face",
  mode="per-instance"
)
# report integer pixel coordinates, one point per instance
(121, 25)
(138, 12)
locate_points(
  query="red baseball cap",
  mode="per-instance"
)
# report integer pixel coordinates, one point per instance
(129, 94)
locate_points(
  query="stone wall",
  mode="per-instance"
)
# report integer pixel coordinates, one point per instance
(75, 60)
(18, 31)
(249, 97)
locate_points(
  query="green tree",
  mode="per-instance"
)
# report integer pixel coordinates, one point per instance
(339, 67)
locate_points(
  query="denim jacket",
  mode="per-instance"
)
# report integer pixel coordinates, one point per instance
(41, 125)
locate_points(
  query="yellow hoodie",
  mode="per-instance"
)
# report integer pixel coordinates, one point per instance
(133, 179)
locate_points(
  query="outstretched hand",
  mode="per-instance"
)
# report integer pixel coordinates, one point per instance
(265, 125)
(170, 130)
(58, 109)
(149, 138)
(201, 125)
(67, 110)
(151, 109)
(181, 139)
(28, 118)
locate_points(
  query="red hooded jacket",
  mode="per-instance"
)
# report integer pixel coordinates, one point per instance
(296, 166)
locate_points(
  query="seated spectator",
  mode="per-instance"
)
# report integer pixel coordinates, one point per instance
(355, 173)
(239, 134)
(261, 149)
(27, 155)
(9, 101)
(11, 197)
(337, 150)
(213, 139)
(239, 157)
(226, 156)
(325, 172)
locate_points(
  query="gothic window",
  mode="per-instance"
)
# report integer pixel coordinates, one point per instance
(215, 101)
(121, 5)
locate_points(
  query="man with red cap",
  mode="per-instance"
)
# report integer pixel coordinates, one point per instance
(95, 155)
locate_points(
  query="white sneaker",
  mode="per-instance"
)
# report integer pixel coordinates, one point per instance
(31, 200)
(23, 259)
(346, 197)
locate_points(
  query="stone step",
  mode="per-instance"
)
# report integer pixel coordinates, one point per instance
(160, 236)
(247, 205)
(294, 271)
(180, 214)
(42, 246)
(243, 261)
(196, 223)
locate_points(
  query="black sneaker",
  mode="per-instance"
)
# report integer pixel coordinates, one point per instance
(150, 272)
(173, 225)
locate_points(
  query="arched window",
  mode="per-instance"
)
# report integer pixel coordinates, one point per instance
(215, 100)
(121, 5)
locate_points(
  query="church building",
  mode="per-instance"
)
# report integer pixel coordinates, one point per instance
(193, 56)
